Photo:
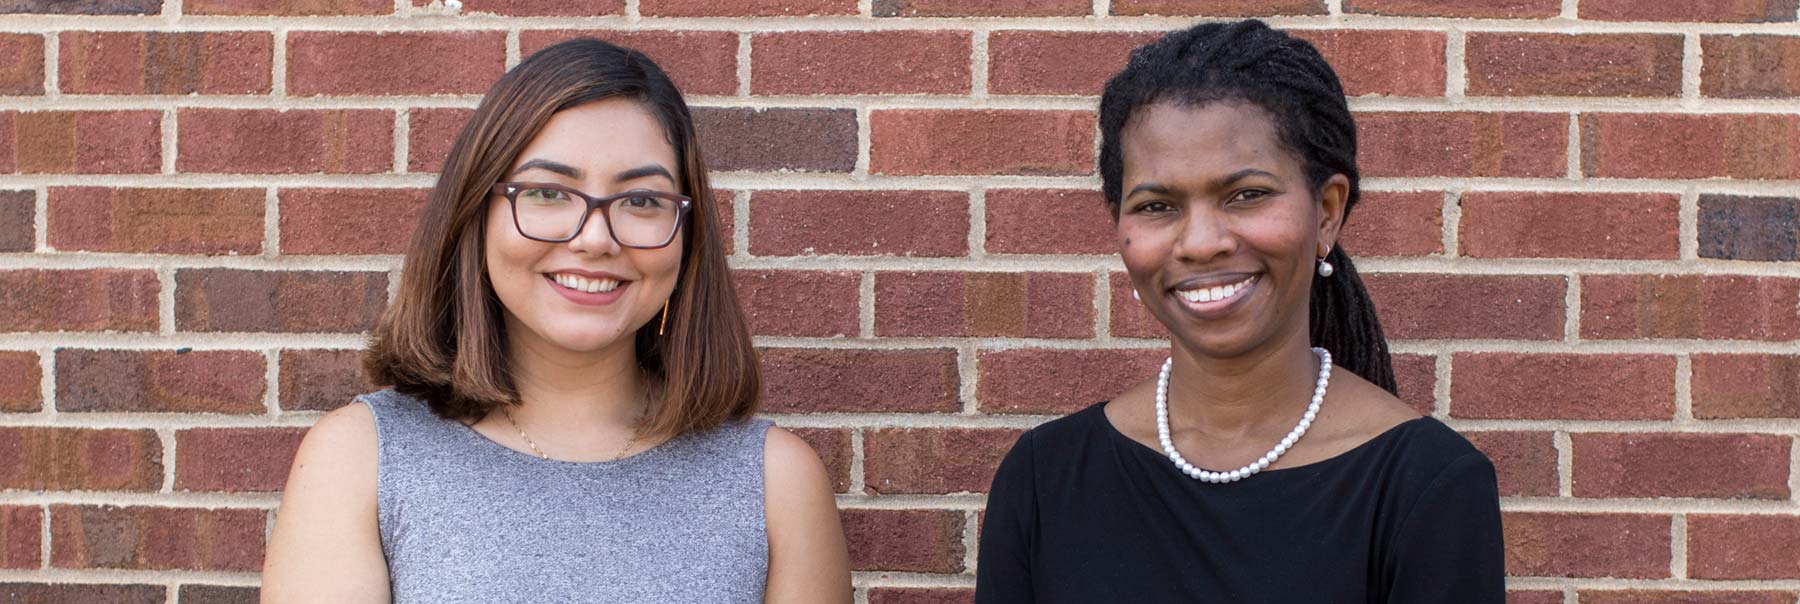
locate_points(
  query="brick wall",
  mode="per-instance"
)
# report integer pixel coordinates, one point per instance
(1581, 229)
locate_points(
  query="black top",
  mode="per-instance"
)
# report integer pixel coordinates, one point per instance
(1081, 513)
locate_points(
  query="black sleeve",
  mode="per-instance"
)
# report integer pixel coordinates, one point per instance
(1449, 548)
(1009, 531)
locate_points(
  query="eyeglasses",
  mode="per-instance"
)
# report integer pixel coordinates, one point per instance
(555, 213)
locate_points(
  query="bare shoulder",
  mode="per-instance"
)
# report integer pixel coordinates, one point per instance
(1364, 410)
(344, 437)
(789, 463)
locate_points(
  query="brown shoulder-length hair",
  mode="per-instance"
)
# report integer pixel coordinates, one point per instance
(443, 340)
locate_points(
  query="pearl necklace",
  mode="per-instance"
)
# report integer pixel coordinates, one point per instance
(1168, 445)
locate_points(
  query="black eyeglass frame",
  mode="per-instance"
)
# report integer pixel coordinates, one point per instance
(510, 191)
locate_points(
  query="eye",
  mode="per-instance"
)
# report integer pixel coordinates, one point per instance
(543, 195)
(1153, 207)
(643, 202)
(1248, 195)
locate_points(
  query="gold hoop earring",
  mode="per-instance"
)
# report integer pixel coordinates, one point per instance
(665, 318)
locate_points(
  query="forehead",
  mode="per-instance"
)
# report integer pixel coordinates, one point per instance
(1225, 136)
(602, 134)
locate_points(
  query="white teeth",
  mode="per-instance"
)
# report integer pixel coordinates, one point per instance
(1209, 294)
(584, 284)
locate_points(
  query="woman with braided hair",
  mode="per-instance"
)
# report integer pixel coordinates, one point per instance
(1270, 460)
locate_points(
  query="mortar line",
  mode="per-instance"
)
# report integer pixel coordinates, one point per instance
(40, 220)
(1565, 463)
(271, 223)
(745, 55)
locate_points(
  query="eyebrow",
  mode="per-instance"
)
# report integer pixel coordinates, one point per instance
(1155, 187)
(576, 173)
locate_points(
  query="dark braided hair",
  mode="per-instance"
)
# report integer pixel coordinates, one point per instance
(1246, 61)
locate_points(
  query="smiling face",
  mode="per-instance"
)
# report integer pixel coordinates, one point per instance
(589, 293)
(1218, 227)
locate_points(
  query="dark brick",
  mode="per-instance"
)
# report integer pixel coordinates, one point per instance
(767, 140)
(81, 7)
(1749, 228)
(18, 221)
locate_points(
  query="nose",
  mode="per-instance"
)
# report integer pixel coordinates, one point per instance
(1206, 235)
(595, 236)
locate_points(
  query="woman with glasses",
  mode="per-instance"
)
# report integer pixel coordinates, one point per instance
(1269, 461)
(571, 381)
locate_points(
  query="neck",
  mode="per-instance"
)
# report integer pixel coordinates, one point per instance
(1253, 393)
(575, 389)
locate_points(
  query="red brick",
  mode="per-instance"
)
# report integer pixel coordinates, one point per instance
(823, 380)
(138, 381)
(278, 301)
(1707, 307)
(538, 8)
(1463, 144)
(860, 62)
(321, 380)
(288, 8)
(726, 204)
(1588, 386)
(1559, 544)
(61, 593)
(859, 223)
(154, 538)
(1386, 63)
(1048, 221)
(1743, 547)
(9, 133)
(1046, 381)
(911, 142)
(927, 541)
(1735, 466)
(1547, 64)
(833, 447)
(1478, 9)
(1002, 304)
(430, 133)
(1648, 145)
(363, 63)
(235, 459)
(1395, 223)
(18, 221)
(22, 71)
(933, 460)
(156, 221)
(1525, 461)
(78, 300)
(1129, 317)
(21, 532)
(745, 8)
(348, 221)
(1416, 377)
(1740, 66)
(1534, 597)
(1731, 386)
(301, 141)
(921, 595)
(21, 382)
(74, 459)
(982, 8)
(129, 62)
(820, 304)
(1722, 11)
(86, 142)
(1423, 306)
(1571, 225)
(1219, 8)
(218, 594)
(1058, 62)
(1683, 597)
(741, 138)
(700, 62)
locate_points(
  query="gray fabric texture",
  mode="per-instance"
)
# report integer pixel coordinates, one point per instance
(465, 520)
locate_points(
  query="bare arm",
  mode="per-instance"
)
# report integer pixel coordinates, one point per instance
(326, 546)
(808, 561)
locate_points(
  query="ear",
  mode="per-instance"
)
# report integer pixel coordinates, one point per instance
(1334, 201)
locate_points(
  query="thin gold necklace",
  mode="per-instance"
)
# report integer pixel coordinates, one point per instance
(636, 428)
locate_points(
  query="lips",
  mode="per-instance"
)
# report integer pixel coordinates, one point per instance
(587, 288)
(585, 284)
(1211, 298)
(1217, 292)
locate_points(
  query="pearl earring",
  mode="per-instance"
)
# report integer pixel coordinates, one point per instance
(1134, 296)
(1325, 268)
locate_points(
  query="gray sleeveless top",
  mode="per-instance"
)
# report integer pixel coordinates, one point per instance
(466, 520)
